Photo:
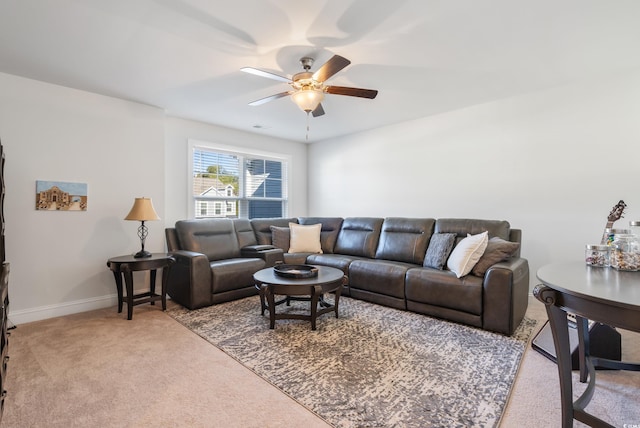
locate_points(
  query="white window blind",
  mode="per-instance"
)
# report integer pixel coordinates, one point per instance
(231, 184)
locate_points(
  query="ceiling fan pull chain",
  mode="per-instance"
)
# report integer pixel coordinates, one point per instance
(308, 126)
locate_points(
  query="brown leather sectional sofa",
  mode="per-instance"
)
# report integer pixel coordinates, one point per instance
(382, 257)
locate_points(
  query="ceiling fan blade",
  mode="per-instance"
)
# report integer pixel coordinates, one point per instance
(319, 111)
(266, 74)
(331, 67)
(270, 98)
(352, 92)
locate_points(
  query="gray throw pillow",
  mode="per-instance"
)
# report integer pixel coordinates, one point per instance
(440, 247)
(497, 250)
(280, 237)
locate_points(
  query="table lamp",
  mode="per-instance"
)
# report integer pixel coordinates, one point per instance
(142, 211)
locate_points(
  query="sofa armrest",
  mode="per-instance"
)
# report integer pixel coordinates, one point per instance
(190, 279)
(505, 299)
(270, 254)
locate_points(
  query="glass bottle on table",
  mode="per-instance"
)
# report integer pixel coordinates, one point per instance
(625, 253)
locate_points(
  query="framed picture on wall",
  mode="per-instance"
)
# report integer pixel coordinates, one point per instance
(61, 196)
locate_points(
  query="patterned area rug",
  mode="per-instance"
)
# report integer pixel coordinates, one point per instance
(374, 366)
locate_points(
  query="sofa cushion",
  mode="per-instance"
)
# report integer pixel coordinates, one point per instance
(337, 261)
(466, 254)
(233, 274)
(262, 227)
(439, 250)
(244, 232)
(379, 276)
(304, 239)
(359, 236)
(280, 237)
(441, 288)
(215, 238)
(497, 250)
(404, 239)
(328, 233)
(296, 258)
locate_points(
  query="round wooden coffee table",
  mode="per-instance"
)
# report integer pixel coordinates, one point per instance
(269, 284)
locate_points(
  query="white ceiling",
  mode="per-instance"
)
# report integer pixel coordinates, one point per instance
(424, 56)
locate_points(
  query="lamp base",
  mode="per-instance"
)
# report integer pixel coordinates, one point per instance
(142, 254)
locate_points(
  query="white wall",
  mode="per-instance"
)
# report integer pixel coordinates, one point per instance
(179, 131)
(551, 163)
(49, 132)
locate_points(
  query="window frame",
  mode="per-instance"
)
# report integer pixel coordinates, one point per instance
(243, 153)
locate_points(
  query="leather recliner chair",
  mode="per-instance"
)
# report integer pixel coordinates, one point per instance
(215, 261)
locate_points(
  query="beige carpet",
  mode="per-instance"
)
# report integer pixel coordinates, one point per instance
(97, 369)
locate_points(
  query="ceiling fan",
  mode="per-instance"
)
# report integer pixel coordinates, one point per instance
(308, 88)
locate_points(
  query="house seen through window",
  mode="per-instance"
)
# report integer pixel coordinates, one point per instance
(232, 185)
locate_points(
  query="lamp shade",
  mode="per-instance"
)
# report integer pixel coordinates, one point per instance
(142, 210)
(307, 98)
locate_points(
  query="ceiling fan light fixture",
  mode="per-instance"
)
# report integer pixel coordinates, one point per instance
(308, 89)
(307, 98)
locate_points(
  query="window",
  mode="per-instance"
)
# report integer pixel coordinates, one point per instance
(226, 183)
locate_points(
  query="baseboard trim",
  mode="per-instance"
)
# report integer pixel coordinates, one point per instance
(62, 309)
(77, 306)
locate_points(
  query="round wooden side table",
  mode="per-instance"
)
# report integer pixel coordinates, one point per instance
(126, 265)
(598, 294)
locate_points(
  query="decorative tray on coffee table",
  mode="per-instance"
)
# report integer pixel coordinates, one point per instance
(296, 271)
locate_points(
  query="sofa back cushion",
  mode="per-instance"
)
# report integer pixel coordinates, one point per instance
(405, 239)
(463, 226)
(328, 233)
(215, 238)
(359, 236)
(262, 228)
(244, 232)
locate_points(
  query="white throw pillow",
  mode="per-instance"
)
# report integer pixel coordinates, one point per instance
(466, 254)
(305, 238)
